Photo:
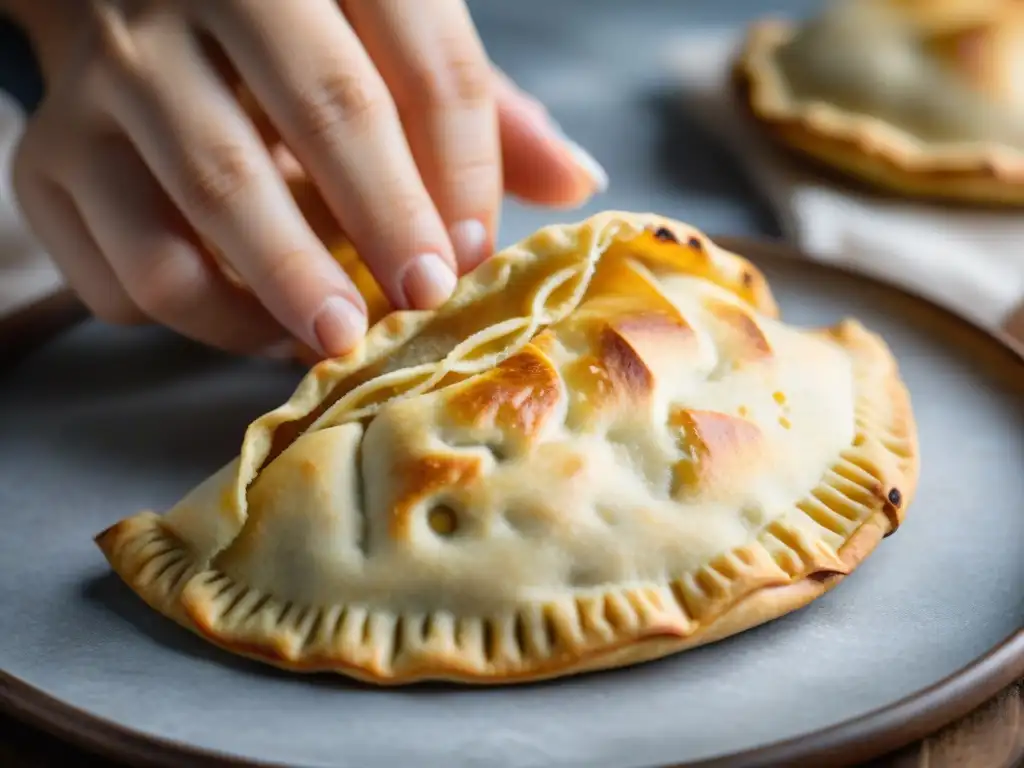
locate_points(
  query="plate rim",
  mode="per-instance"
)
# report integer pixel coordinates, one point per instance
(864, 737)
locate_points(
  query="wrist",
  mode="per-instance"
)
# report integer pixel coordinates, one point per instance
(49, 26)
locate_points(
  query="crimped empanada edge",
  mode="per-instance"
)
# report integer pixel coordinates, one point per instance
(585, 630)
(869, 149)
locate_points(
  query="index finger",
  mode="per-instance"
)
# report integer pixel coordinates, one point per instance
(430, 56)
(201, 147)
(309, 71)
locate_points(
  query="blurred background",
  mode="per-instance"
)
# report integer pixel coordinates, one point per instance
(599, 66)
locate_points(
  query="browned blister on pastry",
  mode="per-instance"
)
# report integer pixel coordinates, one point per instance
(605, 448)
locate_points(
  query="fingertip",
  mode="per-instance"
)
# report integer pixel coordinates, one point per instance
(338, 326)
(541, 163)
(588, 165)
(427, 282)
(472, 243)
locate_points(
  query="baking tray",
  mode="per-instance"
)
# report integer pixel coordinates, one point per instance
(98, 422)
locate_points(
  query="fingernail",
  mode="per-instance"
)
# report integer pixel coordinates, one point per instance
(339, 326)
(585, 161)
(469, 238)
(428, 282)
(588, 164)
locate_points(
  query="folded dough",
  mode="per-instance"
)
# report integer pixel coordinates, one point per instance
(606, 447)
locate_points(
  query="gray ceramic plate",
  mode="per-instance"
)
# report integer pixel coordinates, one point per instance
(97, 424)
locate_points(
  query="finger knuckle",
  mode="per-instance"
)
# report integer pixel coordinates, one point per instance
(213, 180)
(476, 175)
(463, 78)
(340, 99)
(405, 206)
(167, 288)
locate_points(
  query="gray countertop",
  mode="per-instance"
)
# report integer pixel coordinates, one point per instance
(582, 57)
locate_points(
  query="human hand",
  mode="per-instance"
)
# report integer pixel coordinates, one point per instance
(142, 161)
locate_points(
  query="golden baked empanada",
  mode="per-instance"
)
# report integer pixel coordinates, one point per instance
(606, 447)
(920, 97)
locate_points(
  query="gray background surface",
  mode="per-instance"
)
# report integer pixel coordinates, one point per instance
(596, 65)
(103, 423)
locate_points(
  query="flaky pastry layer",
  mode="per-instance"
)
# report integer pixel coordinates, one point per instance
(970, 36)
(605, 448)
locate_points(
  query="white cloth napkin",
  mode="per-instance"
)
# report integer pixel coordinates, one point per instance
(970, 262)
(26, 272)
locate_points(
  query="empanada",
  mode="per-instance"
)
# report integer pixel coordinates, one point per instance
(923, 98)
(606, 447)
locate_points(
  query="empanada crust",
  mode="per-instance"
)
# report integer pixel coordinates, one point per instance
(606, 448)
(883, 153)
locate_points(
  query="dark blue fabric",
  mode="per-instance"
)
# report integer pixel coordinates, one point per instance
(19, 73)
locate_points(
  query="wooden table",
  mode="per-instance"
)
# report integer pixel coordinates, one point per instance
(990, 737)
